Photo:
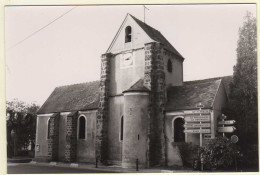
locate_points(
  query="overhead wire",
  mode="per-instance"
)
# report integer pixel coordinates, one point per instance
(29, 36)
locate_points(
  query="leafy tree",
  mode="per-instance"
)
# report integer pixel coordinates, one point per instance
(244, 86)
(243, 89)
(21, 120)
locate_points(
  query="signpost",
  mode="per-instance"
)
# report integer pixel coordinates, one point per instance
(197, 121)
(234, 139)
(226, 129)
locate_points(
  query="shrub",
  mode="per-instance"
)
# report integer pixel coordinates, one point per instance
(220, 153)
(188, 152)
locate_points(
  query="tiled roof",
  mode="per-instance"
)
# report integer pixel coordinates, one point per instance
(194, 92)
(156, 36)
(84, 96)
(138, 87)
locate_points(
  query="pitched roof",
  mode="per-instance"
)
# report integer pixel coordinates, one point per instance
(84, 96)
(138, 87)
(156, 36)
(194, 92)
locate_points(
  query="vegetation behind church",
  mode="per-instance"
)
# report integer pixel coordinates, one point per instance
(21, 126)
(243, 92)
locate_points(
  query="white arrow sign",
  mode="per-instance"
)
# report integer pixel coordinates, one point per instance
(202, 111)
(226, 129)
(197, 118)
(197, 131)
(227, 122)
(197, 125)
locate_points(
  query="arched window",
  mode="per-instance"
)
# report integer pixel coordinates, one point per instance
(128, 34)
(48, 128)
(169, 65)
(178, 130)
(82, 127)
(122, 128)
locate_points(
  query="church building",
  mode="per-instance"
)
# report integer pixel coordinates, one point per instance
(139, 109)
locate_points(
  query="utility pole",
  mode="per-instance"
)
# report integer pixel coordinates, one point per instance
(144, 12)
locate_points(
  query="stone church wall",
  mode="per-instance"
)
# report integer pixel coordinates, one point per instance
(121, 78)
(135, 129)
(174, 78)
(116, 105)
(139, 37)
(86, 147)
(154, 78)
(219, 103)
(41, 137)
(62, 136)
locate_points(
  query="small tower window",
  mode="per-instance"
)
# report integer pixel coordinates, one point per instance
(128, 34)
(169, 66)
(122, 128)
(48, 129)
(82, 127)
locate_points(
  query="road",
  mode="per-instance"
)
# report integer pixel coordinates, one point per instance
(27, 168)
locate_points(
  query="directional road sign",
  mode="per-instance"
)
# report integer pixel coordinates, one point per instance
(197, 125)
(197, 131)
(229, 129)
(207, 136)
(202, 111)
(197, 118)
(227, 122)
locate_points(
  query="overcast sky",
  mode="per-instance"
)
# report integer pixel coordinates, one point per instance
(50, 46)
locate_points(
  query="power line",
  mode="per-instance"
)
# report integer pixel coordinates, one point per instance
(29, 36)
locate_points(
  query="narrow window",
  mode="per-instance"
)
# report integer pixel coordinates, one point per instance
(122, 128)
(179, 135)
(48, 128)
(169, 65)
(82, 127)
(128, 34)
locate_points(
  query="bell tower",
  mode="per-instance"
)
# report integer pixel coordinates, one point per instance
(136, 70)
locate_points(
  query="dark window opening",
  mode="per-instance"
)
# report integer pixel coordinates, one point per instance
(179, 135)
(82, 127)
(122, 128)
(128, 34)
(169, 66)
(48, 127)
(138, 137)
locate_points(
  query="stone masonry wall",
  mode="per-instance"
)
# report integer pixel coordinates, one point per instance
(155, 79)
(71, 138)
(102, 116)
(53, 141)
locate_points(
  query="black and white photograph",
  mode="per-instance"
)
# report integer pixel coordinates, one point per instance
(141, 88)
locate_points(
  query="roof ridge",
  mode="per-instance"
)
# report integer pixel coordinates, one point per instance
(78, 83)
(144, 23)
(203, 80)
(157, 36)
